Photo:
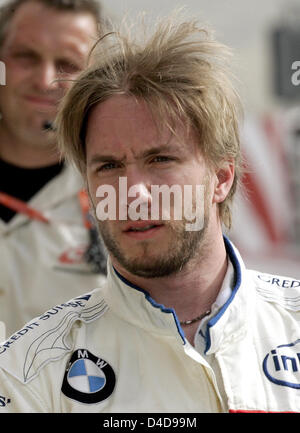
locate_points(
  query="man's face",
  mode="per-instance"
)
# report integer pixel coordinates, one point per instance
(42, 44)
(123, 141)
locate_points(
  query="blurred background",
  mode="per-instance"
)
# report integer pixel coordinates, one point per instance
(265, 37)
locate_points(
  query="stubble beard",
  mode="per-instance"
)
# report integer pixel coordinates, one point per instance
(184, 246)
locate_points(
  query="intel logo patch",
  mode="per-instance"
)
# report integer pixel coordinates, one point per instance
(282, 365)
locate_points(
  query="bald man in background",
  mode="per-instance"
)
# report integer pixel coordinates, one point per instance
(49, 250)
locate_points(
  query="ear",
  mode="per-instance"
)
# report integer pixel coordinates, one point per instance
(224, 181)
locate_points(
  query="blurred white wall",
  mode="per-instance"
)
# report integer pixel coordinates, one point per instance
(243, 25)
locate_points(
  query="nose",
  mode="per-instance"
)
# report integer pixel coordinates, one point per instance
(138, 188)
(138, 184)
(45, 76)
(140, 191)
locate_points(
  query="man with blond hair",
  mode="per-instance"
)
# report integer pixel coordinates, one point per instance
(180, 325)
(44, 233)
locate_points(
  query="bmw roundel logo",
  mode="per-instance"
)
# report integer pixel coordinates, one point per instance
(88, 379)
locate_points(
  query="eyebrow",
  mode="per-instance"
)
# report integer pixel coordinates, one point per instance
(95, 159)
(159, 149)
(149, 152)
(22, 47)
(70, 52)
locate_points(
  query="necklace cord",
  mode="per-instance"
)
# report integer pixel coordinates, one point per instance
(196, 319)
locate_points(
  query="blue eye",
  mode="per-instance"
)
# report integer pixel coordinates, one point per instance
(107, 166)
(162, 158)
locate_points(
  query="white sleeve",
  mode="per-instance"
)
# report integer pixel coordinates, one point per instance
(16, 397)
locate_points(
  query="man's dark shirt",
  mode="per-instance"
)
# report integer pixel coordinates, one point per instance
(23, 183)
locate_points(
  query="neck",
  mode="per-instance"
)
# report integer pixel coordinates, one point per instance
(193, 290)
(16, 151)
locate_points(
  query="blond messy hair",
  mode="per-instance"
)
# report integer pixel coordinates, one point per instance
(180, 71)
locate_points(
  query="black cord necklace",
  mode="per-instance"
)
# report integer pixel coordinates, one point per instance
(197, 319)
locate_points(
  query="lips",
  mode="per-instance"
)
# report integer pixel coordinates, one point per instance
(142, 229)
(141, 226)
(39, 100)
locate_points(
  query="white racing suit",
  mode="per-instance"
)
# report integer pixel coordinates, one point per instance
(42, 264)
(116, 350)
